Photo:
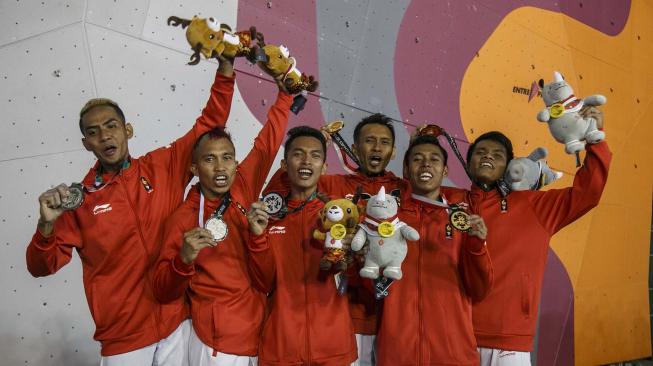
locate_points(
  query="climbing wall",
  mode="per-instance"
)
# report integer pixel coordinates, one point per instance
(466, 65)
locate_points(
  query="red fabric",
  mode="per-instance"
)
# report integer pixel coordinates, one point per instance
(427, 316)
(362, 305)
(518, 242)
(308, 322)
(119, 242)
(227, 310)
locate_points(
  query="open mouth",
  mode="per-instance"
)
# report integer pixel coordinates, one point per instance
(425, 176)
(110, 150)
(305, 173)
(375, 160)
(220, 180)
(486, 165)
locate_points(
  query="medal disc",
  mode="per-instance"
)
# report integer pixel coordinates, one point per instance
(386, 229)
(75, 197)
(333, 127)
(556, 110)
(273, 203)
(338, 231)
(460, 220)
(217, 227)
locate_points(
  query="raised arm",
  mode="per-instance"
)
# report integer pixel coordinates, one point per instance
(176, 158)
(255, 167)
(56, 235)
(172, 274)
(260, 262)
(475, 266)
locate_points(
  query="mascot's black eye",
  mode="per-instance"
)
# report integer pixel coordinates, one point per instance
(211, 36)
(349, 210)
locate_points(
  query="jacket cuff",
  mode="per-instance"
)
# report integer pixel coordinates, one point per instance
(43, 243)
(475, 245)
(182, 268)
(258, 243)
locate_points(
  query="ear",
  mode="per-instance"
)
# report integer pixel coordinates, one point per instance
(541, 83)
(130, 130)
(445, 171)
(193, 169)
(406, 171)
(284, 166)
(394, 153)
(324, 169)
(86, 145)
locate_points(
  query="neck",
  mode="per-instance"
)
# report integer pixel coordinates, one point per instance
(210, 195)
(301, 193)
(433, 195)
(109, 168)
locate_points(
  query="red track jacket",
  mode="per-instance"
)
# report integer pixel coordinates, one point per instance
(117, 233)
(518, 240)
(427, 317)
(308, 322)
(362, 305)
(227, 311)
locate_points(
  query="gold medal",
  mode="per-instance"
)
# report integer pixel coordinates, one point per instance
(338, 231)
(333, 127)
(460, 220)
(386, 229)
(556, 110)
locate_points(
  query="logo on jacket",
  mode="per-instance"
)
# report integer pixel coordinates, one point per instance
(277, 230)
(102, 208)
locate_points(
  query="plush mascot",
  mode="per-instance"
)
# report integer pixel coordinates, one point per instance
(277, 62)
(531, 172)
(337, 219)
(212, 39)
(561, 113)
(386, 235)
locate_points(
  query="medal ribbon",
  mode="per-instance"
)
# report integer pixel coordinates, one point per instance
(99, 183)
(343, 147)
(284, 210)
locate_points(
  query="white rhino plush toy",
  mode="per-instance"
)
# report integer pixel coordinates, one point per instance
(561, 113)
(531, 172)
(386, 235)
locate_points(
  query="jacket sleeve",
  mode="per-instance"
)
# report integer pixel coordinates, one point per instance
(171, 275)
(46, 256)
(260, 262)
(256, 166)
(475, 268)
(176, 158)
(558, 208)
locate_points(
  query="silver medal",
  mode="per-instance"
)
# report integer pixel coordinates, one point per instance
(75, 197)
(273, 203)
(217, 227)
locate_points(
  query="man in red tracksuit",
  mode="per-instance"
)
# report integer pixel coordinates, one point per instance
(374, 139)
(203, 255)
(116, 231)
(426, 318)
(308, 321)
(520, 227)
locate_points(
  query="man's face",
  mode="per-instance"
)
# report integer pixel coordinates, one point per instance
(106, 135)
(304, 162)
(215, 166)
(488, 162)
(374, 148)
(425, 169)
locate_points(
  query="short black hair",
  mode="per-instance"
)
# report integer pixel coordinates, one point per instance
(376, 118)
(423, 140)
(213, 134)
(100, 102)
(300, 131)
(497, 137)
